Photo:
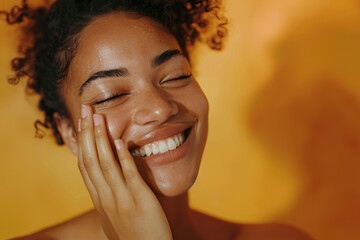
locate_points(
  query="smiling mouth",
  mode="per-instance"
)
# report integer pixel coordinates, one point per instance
(161, 146)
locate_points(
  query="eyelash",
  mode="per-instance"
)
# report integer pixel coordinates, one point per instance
(112, 97)
(116, 95)
(185, 76)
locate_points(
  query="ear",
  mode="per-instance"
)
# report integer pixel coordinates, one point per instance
(67, 132)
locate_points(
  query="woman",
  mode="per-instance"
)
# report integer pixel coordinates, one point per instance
(117, 88)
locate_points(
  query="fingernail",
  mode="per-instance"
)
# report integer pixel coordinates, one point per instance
(79, 125)
(84, 111)
(117, 144)
(96, 118)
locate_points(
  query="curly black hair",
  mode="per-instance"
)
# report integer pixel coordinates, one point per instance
(50, 37)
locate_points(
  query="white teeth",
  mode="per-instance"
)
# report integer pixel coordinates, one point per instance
(147, 150)
(171, 144)
(177, 142)
(142, 152)
(155, 149)
(163, 147)
(137, 153)
(181, 139)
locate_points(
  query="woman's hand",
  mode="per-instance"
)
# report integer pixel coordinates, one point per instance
(127, 206)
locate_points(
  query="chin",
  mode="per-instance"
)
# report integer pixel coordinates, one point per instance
(175, 189)
(173, 180)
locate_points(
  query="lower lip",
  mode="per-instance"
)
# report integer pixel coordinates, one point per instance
(169, 156)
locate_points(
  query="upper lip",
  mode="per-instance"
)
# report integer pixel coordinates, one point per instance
(158, 134)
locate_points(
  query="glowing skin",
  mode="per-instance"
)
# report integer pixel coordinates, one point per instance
(152, 108)
(147, 101)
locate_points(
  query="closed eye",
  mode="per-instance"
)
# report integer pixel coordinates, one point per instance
(178, 78)
(111, 98)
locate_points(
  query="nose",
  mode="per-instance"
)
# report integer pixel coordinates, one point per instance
(154, 107)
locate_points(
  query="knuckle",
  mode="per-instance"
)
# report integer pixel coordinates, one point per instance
(89, 162)
(106, 168)
(130, 175)
(110, 176)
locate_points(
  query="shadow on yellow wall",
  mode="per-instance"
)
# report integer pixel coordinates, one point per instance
(308, 113)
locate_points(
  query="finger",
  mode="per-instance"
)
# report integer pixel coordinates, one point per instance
(130, 171)
(90, 156)
(90, 187)
(110, 168)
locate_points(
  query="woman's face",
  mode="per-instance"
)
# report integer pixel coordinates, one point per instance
(133, 72)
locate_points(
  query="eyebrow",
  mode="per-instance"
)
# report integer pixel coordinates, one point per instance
(118, 72)
(123, 72)
(166, 56)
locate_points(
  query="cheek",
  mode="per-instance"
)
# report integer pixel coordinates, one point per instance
(116, 123)
(198, 105)
(204, 105)
(201, 112)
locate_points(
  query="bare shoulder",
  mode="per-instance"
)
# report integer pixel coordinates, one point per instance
(85, 226)
(212, 228)
(270, 231)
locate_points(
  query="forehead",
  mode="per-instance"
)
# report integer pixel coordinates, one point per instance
(118, 39)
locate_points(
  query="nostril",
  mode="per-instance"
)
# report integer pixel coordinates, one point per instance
(155, 113)
(154, 106)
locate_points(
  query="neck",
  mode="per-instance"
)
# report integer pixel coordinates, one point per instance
(177, 211)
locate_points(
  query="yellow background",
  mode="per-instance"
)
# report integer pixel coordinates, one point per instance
(284, 142)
